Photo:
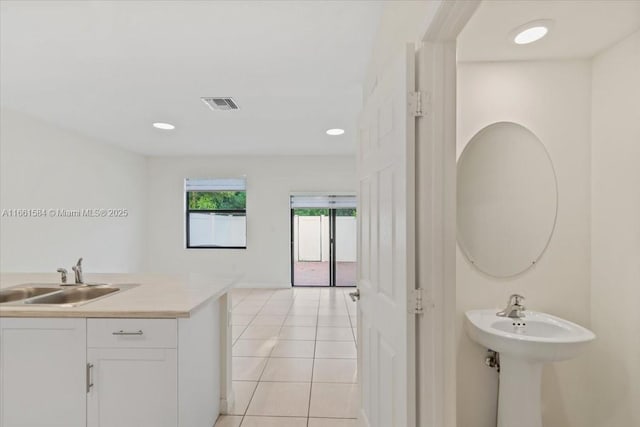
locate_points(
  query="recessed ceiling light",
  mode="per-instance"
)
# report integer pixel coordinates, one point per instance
(531, 32)
(335, 132)
(163, 126)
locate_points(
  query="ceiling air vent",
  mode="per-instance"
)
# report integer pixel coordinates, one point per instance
(220, 103)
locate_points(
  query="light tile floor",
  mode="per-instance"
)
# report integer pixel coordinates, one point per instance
(294, 358)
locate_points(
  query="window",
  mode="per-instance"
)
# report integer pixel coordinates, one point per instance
(216, 213)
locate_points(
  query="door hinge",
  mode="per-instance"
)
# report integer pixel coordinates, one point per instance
(416, 304)
(418, 102)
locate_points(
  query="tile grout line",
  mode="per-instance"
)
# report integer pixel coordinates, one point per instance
(263, 368)
(258, 382)
(233, 341)
(252, 319)
(346, 301)
(265, 365)
(313, 364)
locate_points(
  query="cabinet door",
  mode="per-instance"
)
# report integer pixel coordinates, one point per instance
(42, 372)
(133, 387)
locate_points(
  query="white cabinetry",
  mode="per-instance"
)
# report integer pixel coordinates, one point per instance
(42, 372)
(132, 388)
(134, 373)
(116, 372)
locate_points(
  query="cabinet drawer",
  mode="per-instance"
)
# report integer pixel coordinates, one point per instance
(132, 333)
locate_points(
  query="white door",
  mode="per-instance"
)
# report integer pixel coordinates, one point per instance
(42, 374)
(386, 173)
(133, 387)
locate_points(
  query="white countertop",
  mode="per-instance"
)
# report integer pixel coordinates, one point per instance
(158, 296)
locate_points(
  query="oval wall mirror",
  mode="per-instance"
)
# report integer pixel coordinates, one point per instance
(507, 199)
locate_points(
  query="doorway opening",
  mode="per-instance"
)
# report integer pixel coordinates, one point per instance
(323, 241)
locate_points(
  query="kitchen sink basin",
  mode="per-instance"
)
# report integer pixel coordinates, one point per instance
(17, 294)
(60, 295)
(73, 296)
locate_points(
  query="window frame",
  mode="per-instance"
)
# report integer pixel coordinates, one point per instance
(222, 211)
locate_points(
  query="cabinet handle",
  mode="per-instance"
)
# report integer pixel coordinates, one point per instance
(89, 379)
(121, 332)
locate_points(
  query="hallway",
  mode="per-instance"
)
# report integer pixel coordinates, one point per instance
(294, 358)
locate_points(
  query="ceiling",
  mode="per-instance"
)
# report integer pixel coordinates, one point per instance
(581, 28)
(109, 69)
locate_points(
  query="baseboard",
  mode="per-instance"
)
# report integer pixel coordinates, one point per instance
(261, 285)
(226, 404)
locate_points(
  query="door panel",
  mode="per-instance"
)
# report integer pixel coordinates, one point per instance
(345, 238)
(386, 241)
(133, 388)
(386, 231)
(310, 247)
(365, 235)
(386, 357)
(42, 372)
(364, 366)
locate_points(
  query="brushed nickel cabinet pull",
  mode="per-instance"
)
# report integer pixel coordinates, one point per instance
(89, 377)
(121, 332)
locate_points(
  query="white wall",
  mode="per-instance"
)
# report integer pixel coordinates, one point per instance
(402, 22)
(615, 234)
(552, 99)
(45, 167)
(270, 181)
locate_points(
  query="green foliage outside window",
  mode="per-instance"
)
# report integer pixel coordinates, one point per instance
(237, 200)
(346, 212)
(323, 212)
(217, 200)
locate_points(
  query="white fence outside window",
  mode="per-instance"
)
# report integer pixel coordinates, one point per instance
(219, 229)
(311, 238)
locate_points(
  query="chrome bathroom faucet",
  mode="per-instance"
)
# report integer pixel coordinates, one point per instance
(77, 269)
(514, 310)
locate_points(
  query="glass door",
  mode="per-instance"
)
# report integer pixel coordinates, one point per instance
(345, 247)
(323, 241)
(311, 247)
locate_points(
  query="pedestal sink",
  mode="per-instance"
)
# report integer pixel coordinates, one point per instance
(525, 345)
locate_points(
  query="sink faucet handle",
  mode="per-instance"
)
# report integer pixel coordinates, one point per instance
(79, 263)
(516, 299)
(514, 309)
(63, 274)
